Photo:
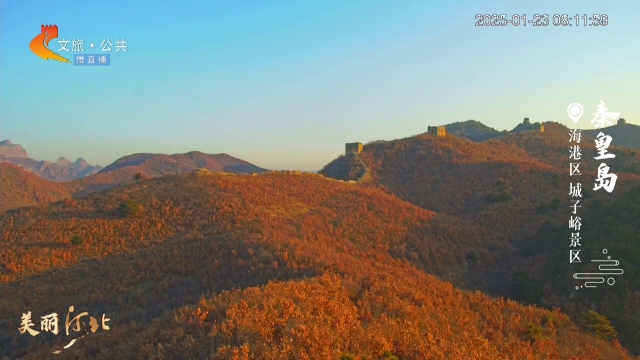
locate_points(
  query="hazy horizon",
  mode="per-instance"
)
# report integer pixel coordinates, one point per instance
(55, 158)
(284, 85)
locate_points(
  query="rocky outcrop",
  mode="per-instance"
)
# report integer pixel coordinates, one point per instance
(9, 150)
(60, 171)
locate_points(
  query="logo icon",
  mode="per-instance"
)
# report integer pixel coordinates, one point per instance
(575, 111)
(39, 44)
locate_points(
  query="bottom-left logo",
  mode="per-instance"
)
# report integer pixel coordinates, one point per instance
(49, 323)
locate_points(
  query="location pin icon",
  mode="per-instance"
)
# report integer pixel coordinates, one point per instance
(575, 111)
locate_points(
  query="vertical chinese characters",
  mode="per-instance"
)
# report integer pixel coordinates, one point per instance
(575, 192)
(604, 180)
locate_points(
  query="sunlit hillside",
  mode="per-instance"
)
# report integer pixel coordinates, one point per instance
(344, 268)
(19, 188)
(510, 184)
(516, 188)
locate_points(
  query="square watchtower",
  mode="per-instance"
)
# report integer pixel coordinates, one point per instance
(353, 147)
(439, 131)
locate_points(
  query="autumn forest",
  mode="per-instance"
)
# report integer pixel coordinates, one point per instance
(419, 248)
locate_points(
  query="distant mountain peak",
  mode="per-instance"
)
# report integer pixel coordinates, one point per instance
(8, 149)
(60, 171)
(62, 160)
(163, 164)
(81, 161)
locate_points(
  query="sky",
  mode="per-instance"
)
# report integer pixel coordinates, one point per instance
(285, 84)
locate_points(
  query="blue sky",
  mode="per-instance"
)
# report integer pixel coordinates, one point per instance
(284, 84)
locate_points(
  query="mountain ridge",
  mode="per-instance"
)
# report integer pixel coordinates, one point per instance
(144, 165)
(124, 170)
(151, 163)
(8, 149)
(507, 188)
(62, 170)
(624, 134)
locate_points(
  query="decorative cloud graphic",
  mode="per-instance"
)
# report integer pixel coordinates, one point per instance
(39, 43)
(607, 268)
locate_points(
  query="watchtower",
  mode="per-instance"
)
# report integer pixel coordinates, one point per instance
(353, 147)
(440, 131)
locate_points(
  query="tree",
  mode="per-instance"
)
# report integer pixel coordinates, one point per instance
(550, 207)
(77, 240)
(525, 290)
(388, 355)
(503, 196)
(139, 176)
(533, 331)
(472, 257)
(599, 324)
(130, 208)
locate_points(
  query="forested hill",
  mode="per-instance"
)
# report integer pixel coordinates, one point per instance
(508, 189)
(267, 266)
(614, 227)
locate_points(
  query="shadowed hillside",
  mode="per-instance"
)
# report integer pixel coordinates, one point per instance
(19, 188)
(616, 228)
(339, 261)
(627, 135)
